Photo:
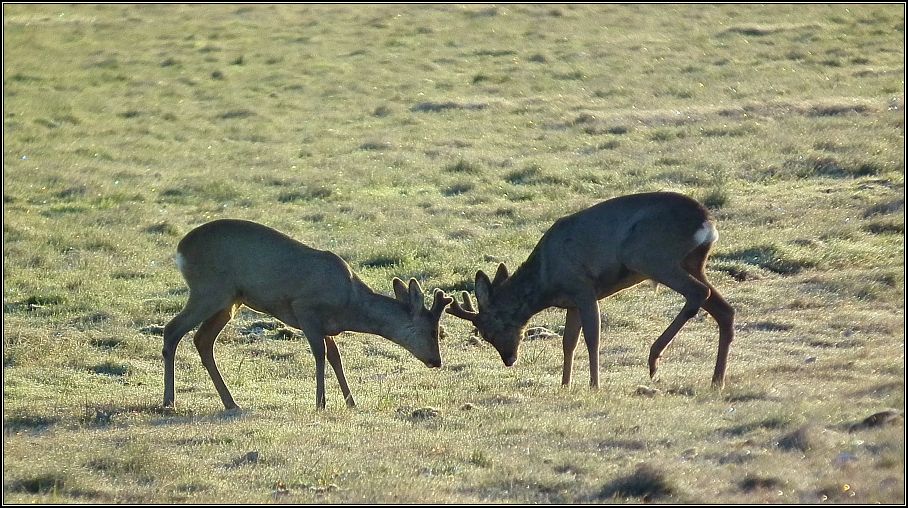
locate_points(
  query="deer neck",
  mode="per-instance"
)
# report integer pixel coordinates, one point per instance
(377, 314)
(522, 294)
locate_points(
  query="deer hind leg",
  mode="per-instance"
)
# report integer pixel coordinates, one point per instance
(695, 294)
(196, 311)
(569, 343)
(204, 343)
(334, 359)
(718, 308)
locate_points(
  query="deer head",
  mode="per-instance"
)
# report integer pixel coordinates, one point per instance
(494, 323)
(421, 333)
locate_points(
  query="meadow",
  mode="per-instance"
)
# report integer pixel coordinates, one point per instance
(430, 142)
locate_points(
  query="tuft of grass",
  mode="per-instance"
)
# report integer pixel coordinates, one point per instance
(45, 483)
(884, 226)
(375, 145)
(109, 368)
(437, 107)
(532, 174)
(747, 428)
(463, 166)
(768, 257)
(646, 483)
(384, 261)
(19, 423)
(421, 142)
(458, 188)
(716, 198)
(162, 228)
(751, 483)
(803, 439)
(307, 194)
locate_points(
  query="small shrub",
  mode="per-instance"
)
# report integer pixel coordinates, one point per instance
(28, 422)
(307, 194)
(480, 459)
(236, 113)
(458, 189)
(109, 368)
(36, 301)
(436, 107)
(41, 484)
(162, 228)
(381, 111)
(747, 428)
(531, 175)
(768, 257)
(646, 483)
(375, 145)
(802, 439)
(715, 198)
(462, 166)
(751, 483)
(383, 261)
(881, 227)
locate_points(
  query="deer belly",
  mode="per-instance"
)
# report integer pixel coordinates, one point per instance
(618, 282)
(280, 310)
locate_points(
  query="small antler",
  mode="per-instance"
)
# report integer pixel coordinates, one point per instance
(440, 302)
(400, 290)
(466, 311)
(501, 275)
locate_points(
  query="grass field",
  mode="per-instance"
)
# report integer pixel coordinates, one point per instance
(429, 142)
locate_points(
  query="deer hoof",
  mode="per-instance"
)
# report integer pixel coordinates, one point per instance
(653, 366)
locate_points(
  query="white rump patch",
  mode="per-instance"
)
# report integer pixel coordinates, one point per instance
(706, 234)
(181, 262)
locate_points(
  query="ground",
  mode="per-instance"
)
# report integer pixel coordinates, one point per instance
(430, 142)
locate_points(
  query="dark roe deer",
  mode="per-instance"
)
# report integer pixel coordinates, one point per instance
(228, 263)
(594, 253)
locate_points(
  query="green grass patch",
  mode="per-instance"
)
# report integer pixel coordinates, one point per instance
(432, 142)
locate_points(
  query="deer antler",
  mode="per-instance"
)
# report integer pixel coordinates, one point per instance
(466, 311)
(440, 302)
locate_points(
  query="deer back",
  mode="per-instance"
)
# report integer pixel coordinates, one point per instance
(595, 244)
(262, 266)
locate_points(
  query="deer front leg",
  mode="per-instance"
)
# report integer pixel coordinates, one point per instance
(317, 345)
(590, 321)
(316, 337)
(335, 360)
(569, 343)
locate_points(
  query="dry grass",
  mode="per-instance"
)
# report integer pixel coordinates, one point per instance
(431, 142)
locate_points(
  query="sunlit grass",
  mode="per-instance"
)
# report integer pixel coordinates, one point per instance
(431, 142)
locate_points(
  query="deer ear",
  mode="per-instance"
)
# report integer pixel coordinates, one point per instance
(501, 275)
(417, 299)
(400, 290)
(483, 289)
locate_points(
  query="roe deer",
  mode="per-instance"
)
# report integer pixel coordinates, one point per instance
(594, 253)
(228, 263)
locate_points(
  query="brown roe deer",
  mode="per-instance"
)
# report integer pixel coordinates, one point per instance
(594, 253)
(228, 263)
